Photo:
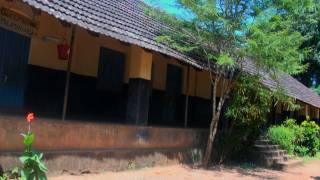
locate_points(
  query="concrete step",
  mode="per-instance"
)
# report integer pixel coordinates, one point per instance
(271, 155)
(271, 162)
(288, 164)
(262, 137)
(274, 153)
(287, 157)
(263, 142)
(267, 147)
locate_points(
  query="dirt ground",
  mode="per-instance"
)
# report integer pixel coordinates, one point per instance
(309, 170)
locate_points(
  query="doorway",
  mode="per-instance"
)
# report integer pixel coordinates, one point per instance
(172, 94)
(14, 54)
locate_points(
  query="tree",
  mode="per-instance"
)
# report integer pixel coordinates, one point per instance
(224, 34)
(308, 23)
(305, 15)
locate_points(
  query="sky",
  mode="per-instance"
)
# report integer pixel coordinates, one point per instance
(170, 6)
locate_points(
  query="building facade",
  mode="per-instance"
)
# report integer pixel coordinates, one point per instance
(116, 74)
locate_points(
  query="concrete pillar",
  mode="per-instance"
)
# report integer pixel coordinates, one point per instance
(139, 90)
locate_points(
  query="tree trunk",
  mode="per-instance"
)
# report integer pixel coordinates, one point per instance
(207, 155)
(214, 124)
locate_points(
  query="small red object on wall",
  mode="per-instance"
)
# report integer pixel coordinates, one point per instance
(63, 51)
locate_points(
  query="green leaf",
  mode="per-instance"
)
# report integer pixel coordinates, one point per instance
(23, 159)
(28, 139)
(24, 174)
(225, 59)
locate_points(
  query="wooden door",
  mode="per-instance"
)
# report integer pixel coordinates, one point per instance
(172, 94)
(111, 70)
(14, 54)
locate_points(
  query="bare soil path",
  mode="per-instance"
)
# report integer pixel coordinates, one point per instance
(310, 170)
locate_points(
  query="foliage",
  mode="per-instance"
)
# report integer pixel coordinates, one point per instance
(13, 174)
(250, 101)
(237, 142)
(306, 21)
(306, 137)
(307, 159)
(5, 176)
(247, 110)
(317, 89)
(311, 138)
(283, 136)
(220, 35)
(33, 167)
(274, 36)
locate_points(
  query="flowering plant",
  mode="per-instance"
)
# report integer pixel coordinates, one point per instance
(33, 166)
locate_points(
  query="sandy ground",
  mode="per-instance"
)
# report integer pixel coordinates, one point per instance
(310, 170)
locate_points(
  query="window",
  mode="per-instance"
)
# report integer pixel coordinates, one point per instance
(111, 70)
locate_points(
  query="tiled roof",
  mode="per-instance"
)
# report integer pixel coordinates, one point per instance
(293, 87)
(126, 21)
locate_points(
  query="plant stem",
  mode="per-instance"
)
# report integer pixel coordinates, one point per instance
(29, 126)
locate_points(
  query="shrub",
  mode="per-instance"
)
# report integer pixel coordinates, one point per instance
(282, 135)
(310, 139)
(247, 111)
(290, 123)
(302, 140)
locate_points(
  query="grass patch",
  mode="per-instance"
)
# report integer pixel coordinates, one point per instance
(307, 159)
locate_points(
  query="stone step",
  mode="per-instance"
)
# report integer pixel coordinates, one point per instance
(271, 155)
(262, 137)
(270, 162)
(267, 147)
(274, 152)
(265, 156)
(263, 142)
(288, 164)
(287, 157)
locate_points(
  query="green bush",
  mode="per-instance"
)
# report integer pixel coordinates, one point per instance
(311, 137)
(303, 140)
(283, 136)
(290, 123)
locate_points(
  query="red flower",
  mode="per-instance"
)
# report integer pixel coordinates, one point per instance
(30, 117)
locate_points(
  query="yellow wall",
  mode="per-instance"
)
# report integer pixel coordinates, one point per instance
(199, 81)
(41, 53)
(85, 60)
(159, 71)
(192, 81)
(44, 52)
(87, 52)
(203, 84)
(140, 63)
